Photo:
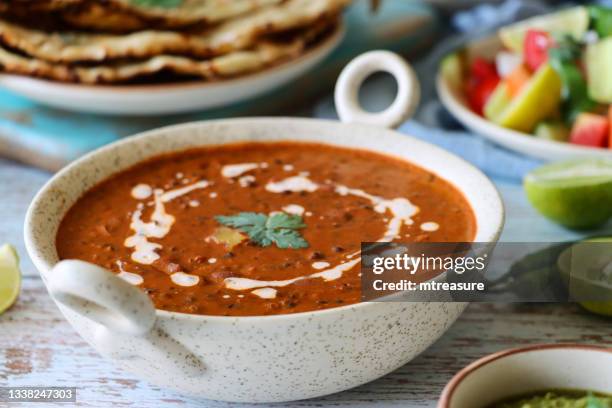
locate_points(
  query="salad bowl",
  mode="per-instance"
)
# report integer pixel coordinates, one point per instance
(453, 91)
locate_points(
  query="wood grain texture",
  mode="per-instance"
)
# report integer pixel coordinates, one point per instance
(38, 347)
(18, 185)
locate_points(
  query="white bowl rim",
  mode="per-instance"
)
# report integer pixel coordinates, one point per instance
(453, 384)
(330, 41)
(498, 134)
(41, 264)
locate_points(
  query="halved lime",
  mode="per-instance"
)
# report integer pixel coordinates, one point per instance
(10, 277)
(573, 21)
(587, 268)
(576, 194)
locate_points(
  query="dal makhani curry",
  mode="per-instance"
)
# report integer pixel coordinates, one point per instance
(258, 228)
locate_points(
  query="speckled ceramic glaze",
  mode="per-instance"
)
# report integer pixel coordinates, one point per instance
(254, 359)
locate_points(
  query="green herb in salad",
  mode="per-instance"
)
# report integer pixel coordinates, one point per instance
(263, 230)
(157, 3)
(594, 402)
(557, 399)
(601, 20)
(563, 58)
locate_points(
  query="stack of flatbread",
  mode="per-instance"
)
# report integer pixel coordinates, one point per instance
(118, 41)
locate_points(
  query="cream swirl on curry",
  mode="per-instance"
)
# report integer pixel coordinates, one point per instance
(281, 223)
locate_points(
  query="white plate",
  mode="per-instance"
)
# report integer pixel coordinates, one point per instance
(167, 98)
(520, 142)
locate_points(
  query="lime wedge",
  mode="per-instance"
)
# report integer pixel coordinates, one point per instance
(576, 194)
(573, 21)
(587, 267)
(600, 308)
(10, 278)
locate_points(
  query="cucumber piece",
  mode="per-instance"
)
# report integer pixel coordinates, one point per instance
(452, 69)
(552, 130)
(599, 69)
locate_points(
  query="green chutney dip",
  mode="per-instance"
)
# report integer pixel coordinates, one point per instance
(557, 399)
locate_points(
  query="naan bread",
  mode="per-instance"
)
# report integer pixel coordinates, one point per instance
(137, 14)
(263, 55)
(41, 5)
(59, 14)
(233, 35)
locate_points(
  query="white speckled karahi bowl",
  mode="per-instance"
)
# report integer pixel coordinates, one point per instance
(252, 359)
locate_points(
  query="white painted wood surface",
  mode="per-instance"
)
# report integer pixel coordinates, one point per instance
(37, 347)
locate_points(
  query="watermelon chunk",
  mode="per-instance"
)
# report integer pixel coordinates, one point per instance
(610, 120)
(536, 48)
(482, 82)
(591, 130)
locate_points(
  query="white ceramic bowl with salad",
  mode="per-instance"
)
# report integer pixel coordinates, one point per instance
(536, 376)
(541, 87)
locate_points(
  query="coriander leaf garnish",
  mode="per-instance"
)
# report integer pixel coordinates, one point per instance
(243, 219)
(286, 238)
(284, 220)
(279, 228)
(158, 3)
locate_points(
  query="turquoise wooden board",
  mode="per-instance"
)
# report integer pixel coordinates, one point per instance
(50, 138)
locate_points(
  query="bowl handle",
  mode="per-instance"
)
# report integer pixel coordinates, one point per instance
(356, 72)
(126, 317)
(101, 296)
